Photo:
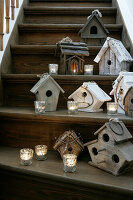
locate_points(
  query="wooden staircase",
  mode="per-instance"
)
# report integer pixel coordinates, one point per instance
(45, 23)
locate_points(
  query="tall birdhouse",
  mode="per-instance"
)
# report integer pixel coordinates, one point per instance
(113, 58)
(123, 93)
(72, 57)
(112, 151)
(69, 143)
(94, 31)
(48, 90)
(90, 97)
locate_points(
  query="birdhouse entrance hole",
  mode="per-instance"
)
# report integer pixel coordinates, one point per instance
(70, 149)
(109, 62)
(74, 66)
(49, 93)
(132, 101)
(105, 137)
(93, 30)
(115, 158)
(84, 94)
(94, 151)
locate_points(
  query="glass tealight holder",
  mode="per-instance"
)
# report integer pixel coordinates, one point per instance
(88, 69)
(72, 107)
(39, 107)
(26, 156)
(69, 161)
(41, 152)
(53, 68)
(112, 108)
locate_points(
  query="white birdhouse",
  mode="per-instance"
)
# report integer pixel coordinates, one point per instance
(112, 151)
(120, 90)
(113, 58)
(48, 90)
(90, 97)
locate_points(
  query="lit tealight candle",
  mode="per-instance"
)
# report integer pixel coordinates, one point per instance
(41, 152)
(69, 161)
(112, 108)
(39, 107)
(72, 107)
(53, 68)
(26, 156)
(88, 69)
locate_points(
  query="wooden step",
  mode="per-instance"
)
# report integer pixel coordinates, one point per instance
(72, 3)
(21, 127)
(67, 15)
(49, 34)
(46, 180)
(17, 87)
(33, 59)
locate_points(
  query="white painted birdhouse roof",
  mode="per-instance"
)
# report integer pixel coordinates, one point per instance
(44, 80)
(118, 49)
(94, 89)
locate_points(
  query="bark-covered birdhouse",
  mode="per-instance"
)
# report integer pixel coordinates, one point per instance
(112, 151)
(94, 31)
(72, 57)
(48, 90)
(90, 97)
(123, 93)
(69, 143)
(113, 58)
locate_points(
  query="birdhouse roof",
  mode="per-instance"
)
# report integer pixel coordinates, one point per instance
(66, 135)
(117, 129)
(94, 89)
(126, 149)
(74, 48)
(44, 80)
(118, 49)
(90, 18)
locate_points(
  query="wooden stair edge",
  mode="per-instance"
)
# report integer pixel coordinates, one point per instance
(70, 1)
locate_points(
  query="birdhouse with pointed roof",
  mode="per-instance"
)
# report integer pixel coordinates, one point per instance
(112, 151)
(69, 143)
(90, 97)
(94, 31)
(48, 90)
(123, 93)
(113, 58)
(72, 57)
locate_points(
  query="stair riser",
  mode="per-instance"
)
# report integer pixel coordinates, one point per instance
(21, 95)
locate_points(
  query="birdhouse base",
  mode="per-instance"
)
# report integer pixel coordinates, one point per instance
(90, 110)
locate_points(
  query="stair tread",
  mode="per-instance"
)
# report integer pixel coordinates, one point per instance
(70, 1)
(52, 169)
(20, 113)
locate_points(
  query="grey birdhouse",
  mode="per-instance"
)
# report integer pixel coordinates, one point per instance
(94, 31)
(69, 143)
(48, 90)
(113, 58)
(112, 151)
(128, 102)
(72, 57)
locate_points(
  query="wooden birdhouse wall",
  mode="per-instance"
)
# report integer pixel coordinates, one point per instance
(62, 66)
(129, 103)
(105, 137)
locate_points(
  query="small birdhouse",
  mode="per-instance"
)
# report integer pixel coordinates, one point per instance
(48, 90)
(90, 97)
(94, 31)
(69, 143)
(112, 151)
(113, 58)
(122, 91)
(72, 57)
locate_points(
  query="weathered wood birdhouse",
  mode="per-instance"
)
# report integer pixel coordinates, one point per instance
(123, 93)
(72, 57)
(69, 143)
(90, 97)
(94, 31)
(112, 151)
(48, 90)
(113, 58)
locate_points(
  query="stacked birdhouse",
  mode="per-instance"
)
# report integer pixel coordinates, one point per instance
(113, 58)
(90, 97)
(48, 90)
(69, 143)
(112, 151)
(123, 93)
(94, 31)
